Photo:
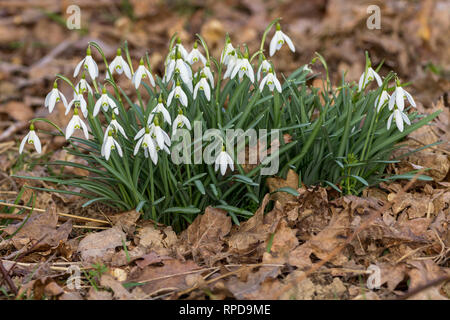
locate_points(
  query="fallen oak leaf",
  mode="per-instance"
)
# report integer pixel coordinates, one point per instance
(205, 236)
(171, 274)
(100, 246)
(40, 231)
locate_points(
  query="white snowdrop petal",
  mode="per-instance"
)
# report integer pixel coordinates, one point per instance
(36, 141)
(390, 121)
(78, 67)
(410, 98)
(398, 119)
(22, 144)
(289, 42)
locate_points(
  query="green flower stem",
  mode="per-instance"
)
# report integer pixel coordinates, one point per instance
(152, 189)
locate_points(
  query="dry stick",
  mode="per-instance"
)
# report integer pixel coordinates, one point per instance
(18, 255)
(58, 213)
(89, 227)
(338, 249)
(23, 217)
(423, 287)
(196, 286)
(8, 279)
(176, 275)
(53, 266)
(17, 126)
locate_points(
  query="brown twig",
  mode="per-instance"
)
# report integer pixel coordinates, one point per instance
(430, 284)
(8, 279)
(68, 215)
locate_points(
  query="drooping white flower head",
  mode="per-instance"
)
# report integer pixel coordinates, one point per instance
(242, 67)
(179, 94)
(88, 64)
(109, 144)
(142, 73)
(179, 122)
(146, 142)
(367, 77)
(76, 123)
(271, 81)
(170, 67)
(398, 98)
(53, 97)
(195, 55)
(159, 108)
(204, 86)
(104, 102)
(264, 67)
(279, 38)
(307, 68)
(207, 72)
(399, 117)
(180, 67)
(78, 102)
(232, 61)
(83, 86)
(115, 126)
(160, 136)
(226, 52)
(381, 100)
(180, 48)
(31, 138)
(119, 65)
(223, 161)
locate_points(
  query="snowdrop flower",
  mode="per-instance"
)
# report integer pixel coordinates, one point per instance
(76, 123)
(398, 97)
(79, 102)
(179, 94)
(195, 55)
(307, 68)
(180, 48)
(242, 67)
(226, 52)
(399, 117)
(179, 122)
(53, 97)
(368, 76)
(232, 61)
(381, 100)
(223, 160)
(204, 86)
(207, 72)
(146, 142)
(182, 68)
(109, 143)
(104, 101)
(264, 67)
(115, 126)
(170, 66)
(31, 138)
(271, 81)
(119, 65)
(160, 136)
(142, 73)
(278, 40)
(159, 109)
(83, 86)
(89, 64)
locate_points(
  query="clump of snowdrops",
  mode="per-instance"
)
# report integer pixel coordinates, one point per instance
(339, 137)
